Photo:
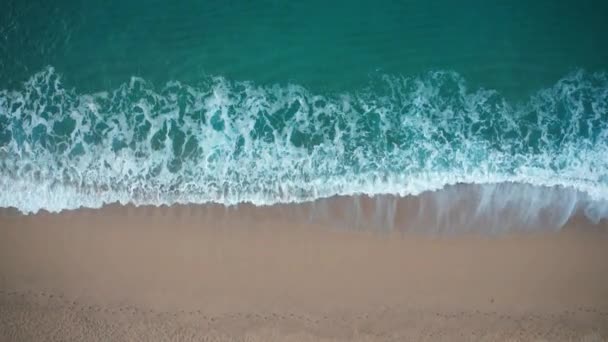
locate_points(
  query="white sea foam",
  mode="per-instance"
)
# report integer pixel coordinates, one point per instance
(232, 142)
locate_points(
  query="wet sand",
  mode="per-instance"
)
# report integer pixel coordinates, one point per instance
(208, 273)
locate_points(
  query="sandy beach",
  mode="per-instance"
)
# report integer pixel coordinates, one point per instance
(123, 273)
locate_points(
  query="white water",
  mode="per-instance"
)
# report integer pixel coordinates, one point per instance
(233, 142)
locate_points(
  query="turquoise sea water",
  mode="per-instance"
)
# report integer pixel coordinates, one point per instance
(158, 102)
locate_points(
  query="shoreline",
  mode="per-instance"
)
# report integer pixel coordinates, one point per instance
(487, 209)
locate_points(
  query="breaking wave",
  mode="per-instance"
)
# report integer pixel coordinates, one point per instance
(229, 142)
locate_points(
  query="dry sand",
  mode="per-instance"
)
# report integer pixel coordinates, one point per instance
(159, 274)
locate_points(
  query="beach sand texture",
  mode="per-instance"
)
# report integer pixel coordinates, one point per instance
(196, 273)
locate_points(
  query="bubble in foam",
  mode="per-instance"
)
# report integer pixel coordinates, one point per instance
(231, 142)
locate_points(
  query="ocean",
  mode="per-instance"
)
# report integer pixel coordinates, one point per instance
(275, 102)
